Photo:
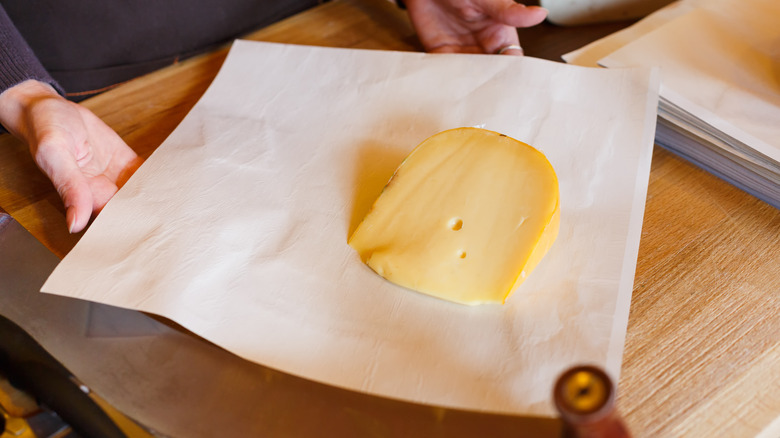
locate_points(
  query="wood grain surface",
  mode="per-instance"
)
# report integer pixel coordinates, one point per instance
(702, 354)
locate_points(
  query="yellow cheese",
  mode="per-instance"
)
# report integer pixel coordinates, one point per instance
(466, 217)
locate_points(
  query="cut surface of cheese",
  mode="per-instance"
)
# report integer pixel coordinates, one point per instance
(466, 217)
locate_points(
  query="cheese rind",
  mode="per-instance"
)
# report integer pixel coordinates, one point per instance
(466, 217)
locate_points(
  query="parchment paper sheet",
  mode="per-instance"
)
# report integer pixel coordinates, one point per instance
(236, 227)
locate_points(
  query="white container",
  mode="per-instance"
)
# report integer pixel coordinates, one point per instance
(577, 12)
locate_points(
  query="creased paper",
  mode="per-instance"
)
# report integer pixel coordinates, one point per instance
(236, 227)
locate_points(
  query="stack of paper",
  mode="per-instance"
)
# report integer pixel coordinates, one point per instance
(720, 85)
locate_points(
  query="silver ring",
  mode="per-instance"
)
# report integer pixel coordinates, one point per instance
(509, 47)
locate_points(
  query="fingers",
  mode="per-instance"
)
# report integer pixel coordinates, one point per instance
(502, 37)
(83, 195)
(82, 156)
(492, 30)
(515, 14)
(84, 166)
(501, 40)
(497, 43)
(511, 50)
(103, 189)
(456, 48)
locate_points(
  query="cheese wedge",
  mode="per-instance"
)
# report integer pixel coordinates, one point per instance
(466, 217)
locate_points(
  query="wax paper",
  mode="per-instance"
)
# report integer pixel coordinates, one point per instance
(236, 227)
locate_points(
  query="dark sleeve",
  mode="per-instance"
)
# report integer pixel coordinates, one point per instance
(18, 63)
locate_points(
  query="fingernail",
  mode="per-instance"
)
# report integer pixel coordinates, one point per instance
(72, 223)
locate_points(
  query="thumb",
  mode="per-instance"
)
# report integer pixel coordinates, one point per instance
(77, 197)
(61, 167)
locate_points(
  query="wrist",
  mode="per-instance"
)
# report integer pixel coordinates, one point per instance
(15, 101)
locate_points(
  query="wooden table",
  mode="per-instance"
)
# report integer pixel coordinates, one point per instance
(702, 354)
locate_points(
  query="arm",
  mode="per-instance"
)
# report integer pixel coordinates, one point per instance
(85, 160)
(472, 26)
(18, 63)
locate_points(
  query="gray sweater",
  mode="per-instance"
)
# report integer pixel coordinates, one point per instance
(84, 47)
(17, 60)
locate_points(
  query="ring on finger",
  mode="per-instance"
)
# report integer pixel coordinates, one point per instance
(509, 47)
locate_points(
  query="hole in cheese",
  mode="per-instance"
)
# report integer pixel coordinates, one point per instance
(508, 191)
(456, 223)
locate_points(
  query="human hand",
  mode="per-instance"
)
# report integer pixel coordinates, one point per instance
(85, 159)
(472, 26)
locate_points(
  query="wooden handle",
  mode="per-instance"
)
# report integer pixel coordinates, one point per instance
(585, 399)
